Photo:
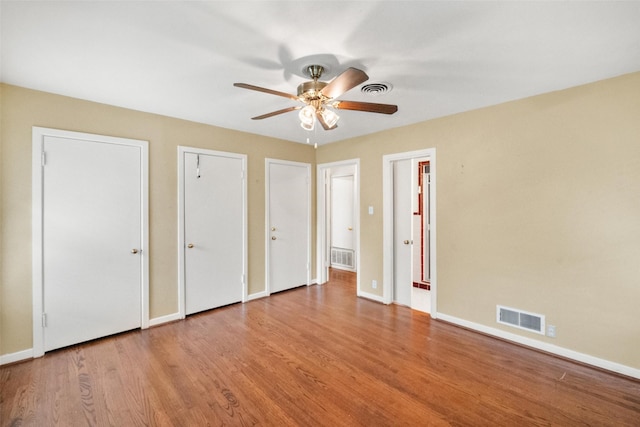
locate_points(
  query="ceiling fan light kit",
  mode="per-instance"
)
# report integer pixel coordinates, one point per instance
(318, 95)
(306, 116)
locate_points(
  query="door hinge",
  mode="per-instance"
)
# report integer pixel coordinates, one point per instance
(242, 174)
(44, 320)
(242, 279)
(43, 158)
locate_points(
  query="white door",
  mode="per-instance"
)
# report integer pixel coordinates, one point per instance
(342, 215)
(402, 231)
(288, 222)
(214, 230)
(92, 219)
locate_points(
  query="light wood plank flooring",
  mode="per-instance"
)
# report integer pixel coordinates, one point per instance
(314, 356)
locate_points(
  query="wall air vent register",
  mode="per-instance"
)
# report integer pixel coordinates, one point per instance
(520, 319)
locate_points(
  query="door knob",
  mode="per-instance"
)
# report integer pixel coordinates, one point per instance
(406, 242)
(350, 228)
(134, 251)
(273, 229)
(190, 245)
(273, 237)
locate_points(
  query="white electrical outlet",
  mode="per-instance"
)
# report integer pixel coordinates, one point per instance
(374, 284)
(551, 331)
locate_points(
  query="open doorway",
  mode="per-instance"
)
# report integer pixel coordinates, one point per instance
(338, 204)
(421, 272)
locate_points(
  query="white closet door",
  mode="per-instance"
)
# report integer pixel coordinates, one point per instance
(214, 230)
(402, 232)
(92, 238)
(288, 237)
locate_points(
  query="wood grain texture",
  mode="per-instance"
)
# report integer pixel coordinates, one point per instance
(310, 356)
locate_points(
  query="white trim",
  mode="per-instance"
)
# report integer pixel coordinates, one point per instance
(257, 295)
(387, 223)
(144, 192)
(322, 249)
(549, 348)
(37, 140)
(267, 220)
(182, 150)
(36, 241)
(16, 357)
(165, 319)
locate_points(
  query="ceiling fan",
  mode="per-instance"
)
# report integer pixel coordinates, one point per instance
(317, 96)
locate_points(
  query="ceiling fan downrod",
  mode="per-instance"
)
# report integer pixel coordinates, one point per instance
(315, 71)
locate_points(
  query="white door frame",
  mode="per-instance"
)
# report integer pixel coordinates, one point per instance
(267, 231)
(322, 245)
(387, 220)
(37, 194)
(182, 150)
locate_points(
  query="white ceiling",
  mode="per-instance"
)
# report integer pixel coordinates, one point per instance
(181, 59)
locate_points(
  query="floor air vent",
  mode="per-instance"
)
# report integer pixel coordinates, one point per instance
(520, 319)
(342, 258)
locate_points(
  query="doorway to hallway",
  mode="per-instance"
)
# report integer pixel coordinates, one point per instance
(338, 207)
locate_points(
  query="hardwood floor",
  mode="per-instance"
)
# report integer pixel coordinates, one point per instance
(314, 356)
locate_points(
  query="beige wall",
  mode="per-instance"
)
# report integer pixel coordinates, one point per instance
(22, 109)
(538, 208)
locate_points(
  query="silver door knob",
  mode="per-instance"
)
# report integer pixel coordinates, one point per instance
(134, 251)
(190, 245)
(273, 237)
(273, 229)
(406, 242)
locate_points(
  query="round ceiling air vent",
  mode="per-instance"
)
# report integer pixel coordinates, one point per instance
(375, 89)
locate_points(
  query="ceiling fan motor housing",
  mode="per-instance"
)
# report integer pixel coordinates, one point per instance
(311, 90)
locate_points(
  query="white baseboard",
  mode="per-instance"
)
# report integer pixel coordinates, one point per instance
(549, 348)
(16, 357)
(374, 297)
(164, 319)
(257, 295)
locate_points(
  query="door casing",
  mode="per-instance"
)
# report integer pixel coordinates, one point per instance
(37, 193)
(268, 220)
(322, 215)
(387, 223)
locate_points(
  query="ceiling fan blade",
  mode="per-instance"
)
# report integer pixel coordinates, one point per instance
(349, 79)
(365, 106)
(323, 122)
(265, 90)
(275, 113)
